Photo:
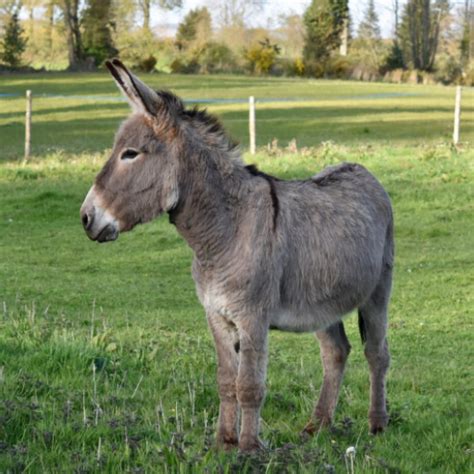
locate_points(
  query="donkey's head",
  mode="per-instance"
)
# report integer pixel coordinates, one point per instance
(140, 179)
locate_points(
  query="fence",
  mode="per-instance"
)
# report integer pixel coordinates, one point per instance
(258, 111)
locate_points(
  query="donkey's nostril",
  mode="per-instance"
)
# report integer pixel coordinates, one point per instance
(87, 219)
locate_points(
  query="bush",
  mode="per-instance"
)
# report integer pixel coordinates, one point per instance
(448, 70)
(261, 57)
(468, 76)
(182, 65)
(212, 57)
(139, 50)
(147, 64)
(394, 59)
(334, 67)
(337, 67)
(217, 57)
(289, 67)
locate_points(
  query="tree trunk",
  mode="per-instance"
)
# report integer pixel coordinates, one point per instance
(146, 14)
(74, 42)
(31, 18)
(50, 25)
(426, 37)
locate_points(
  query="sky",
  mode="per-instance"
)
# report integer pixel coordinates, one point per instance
(274, 8)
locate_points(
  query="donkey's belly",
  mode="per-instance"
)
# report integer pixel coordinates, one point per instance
(293, 320)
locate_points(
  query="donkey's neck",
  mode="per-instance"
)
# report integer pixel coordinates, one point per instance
(206, 215)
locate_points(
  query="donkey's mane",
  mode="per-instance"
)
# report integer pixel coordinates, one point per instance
(207, 125)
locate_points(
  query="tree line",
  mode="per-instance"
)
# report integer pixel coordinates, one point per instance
(434, 38)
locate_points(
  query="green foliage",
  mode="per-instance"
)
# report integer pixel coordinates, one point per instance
(147, 64)
(96, 36)
(419, 32)
(217, 57)
(210, 57)
(138, 49)
(13, 43)
(324, 21)
(448, 69)
(262, 56)
(195, 27)
(394, 60)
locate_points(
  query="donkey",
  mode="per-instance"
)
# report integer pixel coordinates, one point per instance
(268, 254)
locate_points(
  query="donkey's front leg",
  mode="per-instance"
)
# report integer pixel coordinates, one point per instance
(227, 347)
(251, 381)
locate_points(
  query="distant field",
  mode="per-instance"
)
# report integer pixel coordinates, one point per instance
(80, 113)
(106, 363)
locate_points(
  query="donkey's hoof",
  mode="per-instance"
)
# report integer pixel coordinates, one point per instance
(378, 423)
(228, 446)
(313, 426)
(251, 445)
(227, 443)
(309, 431)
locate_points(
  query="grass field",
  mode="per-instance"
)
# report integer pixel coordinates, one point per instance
(80, 113)
(106, 363)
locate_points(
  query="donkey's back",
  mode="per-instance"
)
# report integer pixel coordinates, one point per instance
(336, 239)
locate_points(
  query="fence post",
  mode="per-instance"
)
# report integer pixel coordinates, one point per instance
(457, 115)
(28, 125)
(252, 124)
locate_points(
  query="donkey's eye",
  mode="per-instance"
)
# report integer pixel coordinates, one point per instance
(129, 154)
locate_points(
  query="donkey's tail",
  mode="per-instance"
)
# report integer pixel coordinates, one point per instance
(362, 329)
(387, 262)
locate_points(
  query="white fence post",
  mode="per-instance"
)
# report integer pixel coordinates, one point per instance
(457, 115)
(252, 124)
(28, 125)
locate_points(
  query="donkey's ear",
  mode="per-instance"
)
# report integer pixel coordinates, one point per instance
(141, 97)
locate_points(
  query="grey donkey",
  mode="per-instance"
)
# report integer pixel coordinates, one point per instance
(290, 255)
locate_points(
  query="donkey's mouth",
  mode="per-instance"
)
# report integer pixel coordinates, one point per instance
(107, 234)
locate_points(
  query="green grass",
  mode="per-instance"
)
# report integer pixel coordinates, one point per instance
(106, 363)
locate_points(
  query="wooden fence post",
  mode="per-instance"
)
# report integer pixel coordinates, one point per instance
(252, 124)
(28, 125)
(457, 115)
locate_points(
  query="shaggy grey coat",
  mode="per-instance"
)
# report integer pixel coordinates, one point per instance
(289, 255)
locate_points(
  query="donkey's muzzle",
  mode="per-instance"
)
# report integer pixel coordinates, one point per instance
(107, 234)
(98, 223)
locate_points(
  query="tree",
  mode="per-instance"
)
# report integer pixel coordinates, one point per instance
(467, 39)
(394, 59)
(420, 30)
(235, 13)
(291, 34)
(70, 9)
(196, 27)
(368, 43)
(13, 43)
(145, 8)
(369, 28)
(97, 38)
(324, 22)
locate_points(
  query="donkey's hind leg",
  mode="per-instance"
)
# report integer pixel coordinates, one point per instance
(227, 347)
(334, 348)
(373, 321)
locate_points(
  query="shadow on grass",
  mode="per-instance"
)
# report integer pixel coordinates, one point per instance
(308, 125)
